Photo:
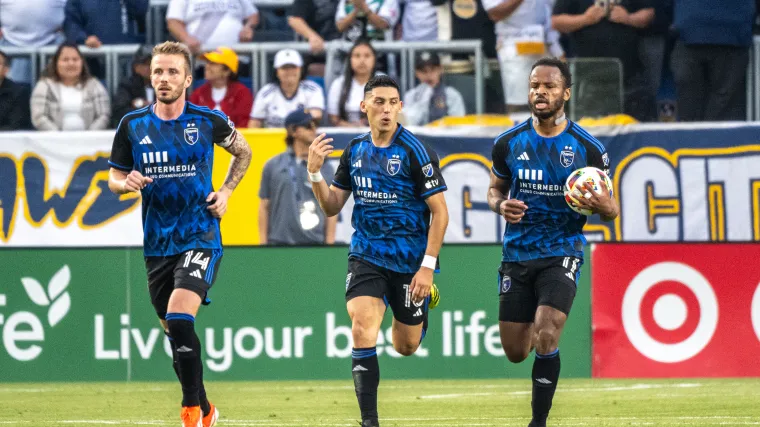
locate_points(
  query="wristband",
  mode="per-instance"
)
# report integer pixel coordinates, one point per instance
(315, 177)
(429, 262)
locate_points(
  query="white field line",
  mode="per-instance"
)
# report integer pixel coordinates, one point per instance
(565, 390)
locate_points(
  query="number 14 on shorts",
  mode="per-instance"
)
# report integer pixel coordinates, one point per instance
(196, 258)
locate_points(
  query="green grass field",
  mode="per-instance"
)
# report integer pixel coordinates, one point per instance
(733, 402)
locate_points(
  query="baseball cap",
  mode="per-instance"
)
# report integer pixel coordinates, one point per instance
(426, 58)
(299, 118)
(143, 54)
(288, 57)
(225, 56)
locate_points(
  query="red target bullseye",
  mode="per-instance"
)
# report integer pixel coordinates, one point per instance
(663, 295)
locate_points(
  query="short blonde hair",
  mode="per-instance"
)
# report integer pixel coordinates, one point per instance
(174, 48)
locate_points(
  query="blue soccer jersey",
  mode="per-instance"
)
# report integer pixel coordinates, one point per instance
(390, 185)
(536, 169)
(178, 155)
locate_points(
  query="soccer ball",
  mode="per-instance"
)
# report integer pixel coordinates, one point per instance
(576, 180)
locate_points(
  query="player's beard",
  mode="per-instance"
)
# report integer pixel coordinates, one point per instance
(552, 111)
(172, 97)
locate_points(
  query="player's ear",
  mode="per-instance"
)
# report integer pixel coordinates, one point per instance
(188, 80)
(363, 107)
(566, 95)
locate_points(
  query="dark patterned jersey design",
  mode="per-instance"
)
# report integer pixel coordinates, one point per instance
(390, 185)
(536, 169)
(178, 155)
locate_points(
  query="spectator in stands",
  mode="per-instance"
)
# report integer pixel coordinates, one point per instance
(29, 23)
(289, 214)
(67, 97)
(207, 24)
(367, 19)
(431, 99)
(524, 34)
(652, 53)
(222, 91)
(709, 60)
(608, 29)
(98, 22)
(14, 100)
(347, 91)
(314, 20)
(419, 22)
(288, 93)
(136, 92)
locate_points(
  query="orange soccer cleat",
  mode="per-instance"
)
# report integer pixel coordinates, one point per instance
(191, 416)
(210, 419)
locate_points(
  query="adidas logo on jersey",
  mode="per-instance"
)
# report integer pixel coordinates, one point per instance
(531, 174)
(157, 157)
(358, 164)
(146, 141)
(197, 274)
(523, 156)
(360, 368)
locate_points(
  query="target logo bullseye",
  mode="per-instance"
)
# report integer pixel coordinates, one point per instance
(670, 312)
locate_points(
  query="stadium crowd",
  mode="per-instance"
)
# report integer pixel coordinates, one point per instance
(695, 52)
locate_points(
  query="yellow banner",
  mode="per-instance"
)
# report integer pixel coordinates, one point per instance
(240, 223)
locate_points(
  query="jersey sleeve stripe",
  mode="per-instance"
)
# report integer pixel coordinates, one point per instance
(341, 186)
(433, 191)
(515, 128)
(417, 146)
(413, 148)
(589, 138)
(495, 172)
(120, 167)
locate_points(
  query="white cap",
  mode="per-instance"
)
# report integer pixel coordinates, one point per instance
(288, 57)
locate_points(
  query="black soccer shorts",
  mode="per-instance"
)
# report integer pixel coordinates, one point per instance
(194, 270)
(523, 286)
(366, 279)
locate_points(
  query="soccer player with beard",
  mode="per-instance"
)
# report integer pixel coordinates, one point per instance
(165, 151)
(543, 238)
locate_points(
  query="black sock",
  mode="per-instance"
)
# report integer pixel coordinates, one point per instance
(366, 373)
(545, 377)
(205, 406)
(182, 329)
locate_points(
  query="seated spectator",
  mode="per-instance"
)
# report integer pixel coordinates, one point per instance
(288, 93)
(136, 92)
(289, 214)
(363, 19)
(347, 91)
(14, 100)
(98, 22)
(207, 24)
(431, 99)
(222, 91)
(30, 23)
(67, 97)
(709, 60)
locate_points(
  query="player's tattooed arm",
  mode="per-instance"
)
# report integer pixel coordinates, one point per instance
(511, 209)
(241, 159)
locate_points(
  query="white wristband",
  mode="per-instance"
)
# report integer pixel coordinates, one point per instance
(315, 177)
(429, 262)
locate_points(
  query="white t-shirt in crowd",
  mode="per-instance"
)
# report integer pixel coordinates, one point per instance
(271, 106)
(214, 22)
(217, 95)
(71, 107)
(420, 22)
(355, 97)
(389, 10)
(530, 22)
(31, 22)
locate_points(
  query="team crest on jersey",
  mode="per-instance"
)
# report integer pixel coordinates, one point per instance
(566, 157)
(394, 165)
(428, 170)
(506, 283)
(191, 134)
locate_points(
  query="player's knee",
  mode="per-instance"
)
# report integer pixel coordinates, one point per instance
(547, 339)
(363, 330)
(515, 354)
(405, 348)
